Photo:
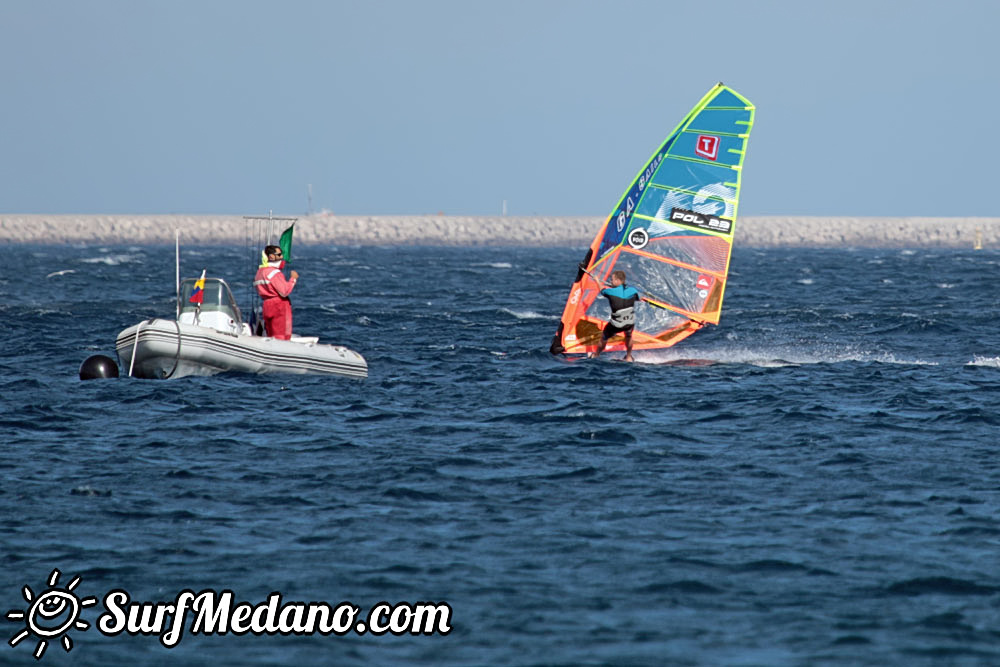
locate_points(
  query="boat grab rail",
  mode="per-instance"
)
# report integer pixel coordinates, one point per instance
(177, 355)
(135, 345)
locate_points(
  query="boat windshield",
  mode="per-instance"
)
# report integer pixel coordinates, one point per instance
(218, 298)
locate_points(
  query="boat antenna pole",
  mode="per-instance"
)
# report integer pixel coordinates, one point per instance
(177, 272)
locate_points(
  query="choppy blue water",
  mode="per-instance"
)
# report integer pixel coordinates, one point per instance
(826, 492)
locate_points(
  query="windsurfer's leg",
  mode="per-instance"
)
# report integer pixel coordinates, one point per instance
(606, 333)
(628, 345)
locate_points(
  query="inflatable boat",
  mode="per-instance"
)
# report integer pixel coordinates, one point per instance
(210, 337)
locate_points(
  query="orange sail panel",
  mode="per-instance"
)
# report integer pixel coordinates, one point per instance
(671, 233)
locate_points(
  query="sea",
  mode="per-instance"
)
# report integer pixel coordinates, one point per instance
(814, 481)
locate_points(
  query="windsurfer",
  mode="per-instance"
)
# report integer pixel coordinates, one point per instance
(274, 289)
(622, 299)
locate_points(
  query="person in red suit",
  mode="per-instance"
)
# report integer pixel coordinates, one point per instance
(274, 289)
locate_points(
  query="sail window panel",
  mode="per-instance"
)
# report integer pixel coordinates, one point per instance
(720, 120)
(712, 199)
(688, 246)
(692, 176)
(687, 142)
(648, 319)
(665, 283)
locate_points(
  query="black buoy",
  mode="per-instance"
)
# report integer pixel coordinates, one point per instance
(98, 366)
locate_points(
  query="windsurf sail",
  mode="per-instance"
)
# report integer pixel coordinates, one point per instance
(671, 232)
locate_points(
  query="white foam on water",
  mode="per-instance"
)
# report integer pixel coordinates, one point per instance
(48, 311)
(775, 357)
(528, 314)
(60, 273)
(989, 362)
(112, 260)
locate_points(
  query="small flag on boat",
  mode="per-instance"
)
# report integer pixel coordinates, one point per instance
(198, 295)
(285, 243)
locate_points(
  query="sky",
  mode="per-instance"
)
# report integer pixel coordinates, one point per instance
(863, 107)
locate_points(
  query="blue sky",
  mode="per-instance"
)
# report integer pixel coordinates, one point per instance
(864, 108)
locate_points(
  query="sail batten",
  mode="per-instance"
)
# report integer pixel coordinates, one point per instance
(671, 232)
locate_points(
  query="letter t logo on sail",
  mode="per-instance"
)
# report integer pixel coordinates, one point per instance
(707, 146)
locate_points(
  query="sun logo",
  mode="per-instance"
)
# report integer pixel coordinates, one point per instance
(50, 615)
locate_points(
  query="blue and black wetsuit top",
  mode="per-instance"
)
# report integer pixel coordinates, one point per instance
(622, 299)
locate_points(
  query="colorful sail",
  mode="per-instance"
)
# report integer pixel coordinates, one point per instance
(671, 233)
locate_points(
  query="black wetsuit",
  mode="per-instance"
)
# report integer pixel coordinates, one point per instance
(622, 300)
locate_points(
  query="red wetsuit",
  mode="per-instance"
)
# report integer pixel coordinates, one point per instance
(274, 289)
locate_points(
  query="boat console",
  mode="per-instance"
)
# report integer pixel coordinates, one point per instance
(218, 309)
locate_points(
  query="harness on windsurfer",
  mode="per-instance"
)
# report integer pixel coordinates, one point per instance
(274, 289)
(622, 299)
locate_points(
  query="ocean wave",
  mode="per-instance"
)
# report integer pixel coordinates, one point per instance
(940, 586)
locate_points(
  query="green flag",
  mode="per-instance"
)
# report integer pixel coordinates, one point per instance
(285, 243)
